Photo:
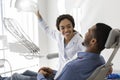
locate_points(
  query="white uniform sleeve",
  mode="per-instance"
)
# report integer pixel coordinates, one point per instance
(50, 32)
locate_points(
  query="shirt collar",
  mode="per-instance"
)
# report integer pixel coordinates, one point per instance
(75, 38)
(87, 55)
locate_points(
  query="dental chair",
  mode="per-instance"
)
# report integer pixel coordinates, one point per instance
(113, 41)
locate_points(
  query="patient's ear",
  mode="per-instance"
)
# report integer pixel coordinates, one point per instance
(93, 41)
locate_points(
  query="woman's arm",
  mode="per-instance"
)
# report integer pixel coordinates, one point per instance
(38, 15)
(49, 31)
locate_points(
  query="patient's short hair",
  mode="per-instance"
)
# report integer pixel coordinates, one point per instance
(101, 33)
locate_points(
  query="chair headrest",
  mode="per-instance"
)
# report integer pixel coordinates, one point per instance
(113, 39)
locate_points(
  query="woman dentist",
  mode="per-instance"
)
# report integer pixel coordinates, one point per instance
(69, 41)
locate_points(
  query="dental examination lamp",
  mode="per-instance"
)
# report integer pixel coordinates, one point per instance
(26, 5)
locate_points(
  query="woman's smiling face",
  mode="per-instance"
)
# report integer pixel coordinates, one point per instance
(66, 28)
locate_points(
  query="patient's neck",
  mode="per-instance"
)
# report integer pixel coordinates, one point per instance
(93, 50)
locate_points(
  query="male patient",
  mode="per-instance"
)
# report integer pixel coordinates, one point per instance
(86, 62)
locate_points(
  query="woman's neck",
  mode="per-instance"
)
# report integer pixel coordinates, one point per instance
(67, 40)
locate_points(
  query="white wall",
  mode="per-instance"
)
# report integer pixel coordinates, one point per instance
(42, 36)
(100, 11)
(48, 10)
(111, 16)
(52, 15)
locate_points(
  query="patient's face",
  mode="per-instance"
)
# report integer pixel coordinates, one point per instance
(89, 36)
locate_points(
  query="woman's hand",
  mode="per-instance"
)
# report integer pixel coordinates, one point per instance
(38, 14)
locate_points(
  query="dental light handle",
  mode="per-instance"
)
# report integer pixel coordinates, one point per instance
(26, 5)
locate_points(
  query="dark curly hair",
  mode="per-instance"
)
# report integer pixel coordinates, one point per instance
(65, 16)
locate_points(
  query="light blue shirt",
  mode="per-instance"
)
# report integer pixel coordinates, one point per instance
(80, 68)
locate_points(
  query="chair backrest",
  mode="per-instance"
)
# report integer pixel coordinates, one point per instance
(113, 41)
